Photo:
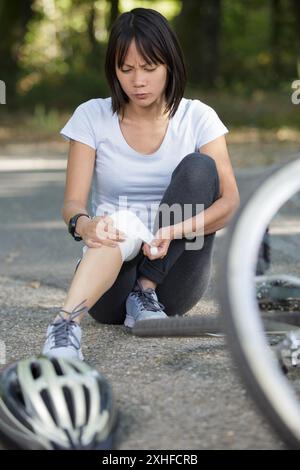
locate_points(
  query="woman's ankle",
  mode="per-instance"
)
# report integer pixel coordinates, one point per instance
(146, 283)
(66, 316)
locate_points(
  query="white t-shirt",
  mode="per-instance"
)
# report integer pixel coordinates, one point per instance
(126, 179)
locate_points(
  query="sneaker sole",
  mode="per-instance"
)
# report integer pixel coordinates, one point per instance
(49, 354)
(130, 321)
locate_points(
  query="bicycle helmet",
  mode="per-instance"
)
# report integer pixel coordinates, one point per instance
(55, 403)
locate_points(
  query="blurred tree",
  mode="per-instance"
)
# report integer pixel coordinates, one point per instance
(50, 45)
(91, 26)
(198, 28)
(285, 37)
(276, 19)
(257, 45)
(296, 14)
(93, 57)
(113, 13)
(14, 18)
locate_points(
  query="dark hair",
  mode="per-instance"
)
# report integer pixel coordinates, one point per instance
(156, 42)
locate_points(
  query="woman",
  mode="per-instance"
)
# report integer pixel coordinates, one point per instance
(149, 145)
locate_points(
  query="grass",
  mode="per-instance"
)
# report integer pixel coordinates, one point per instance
(259, 109)
(259, 116)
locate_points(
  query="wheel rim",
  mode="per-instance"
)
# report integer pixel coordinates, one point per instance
(246, 238)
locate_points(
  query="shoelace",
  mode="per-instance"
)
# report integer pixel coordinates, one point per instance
(62, 329)
(146, 299)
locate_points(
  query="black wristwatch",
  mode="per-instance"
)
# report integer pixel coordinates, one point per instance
(72, 225)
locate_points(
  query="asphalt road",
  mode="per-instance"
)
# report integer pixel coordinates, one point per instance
(172, 393)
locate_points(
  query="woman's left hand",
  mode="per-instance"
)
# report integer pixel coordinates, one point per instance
(162, 240)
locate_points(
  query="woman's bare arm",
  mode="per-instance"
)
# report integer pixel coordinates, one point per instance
(80, 168)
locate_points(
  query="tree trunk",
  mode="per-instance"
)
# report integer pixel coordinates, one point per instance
(14, 18)
(91, 26)
(276, 31)
(296, 13)
(113, 13)
(198, 28)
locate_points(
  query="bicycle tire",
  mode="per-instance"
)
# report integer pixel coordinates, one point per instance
(203, 325)
(178, 326)
(243, 327)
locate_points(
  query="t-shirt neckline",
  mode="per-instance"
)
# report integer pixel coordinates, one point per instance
(144, 155)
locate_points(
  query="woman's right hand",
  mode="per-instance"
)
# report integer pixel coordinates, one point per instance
(101, 231)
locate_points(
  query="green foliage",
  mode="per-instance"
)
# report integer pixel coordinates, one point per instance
(65, 91)
(43, 119)
(247, 56)
(58, 62)
(261, 109)
(168, 8)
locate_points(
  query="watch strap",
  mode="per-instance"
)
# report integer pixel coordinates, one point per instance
(72, 225)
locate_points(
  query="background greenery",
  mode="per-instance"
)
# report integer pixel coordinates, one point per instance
(241, 56)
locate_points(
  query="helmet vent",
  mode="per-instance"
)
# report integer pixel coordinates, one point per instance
(88, 403)
(104, 394)
(35, 370)
(76, 369)
(16, 392)
(69, 400)
(57, 366)
(49, 404)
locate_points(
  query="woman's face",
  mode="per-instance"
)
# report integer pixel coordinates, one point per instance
(137, 77)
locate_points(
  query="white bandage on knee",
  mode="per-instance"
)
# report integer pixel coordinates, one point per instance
(133, 227)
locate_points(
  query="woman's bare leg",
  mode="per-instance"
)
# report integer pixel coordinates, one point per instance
(95, 274)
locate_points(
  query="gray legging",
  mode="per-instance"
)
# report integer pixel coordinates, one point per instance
(183, 274)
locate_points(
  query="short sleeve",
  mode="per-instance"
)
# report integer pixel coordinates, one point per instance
(208, 125)
(79, 127)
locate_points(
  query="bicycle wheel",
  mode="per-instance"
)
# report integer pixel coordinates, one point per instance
(251, 351)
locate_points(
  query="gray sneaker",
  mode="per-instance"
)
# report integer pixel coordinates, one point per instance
(142, 304)
(63, 338)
